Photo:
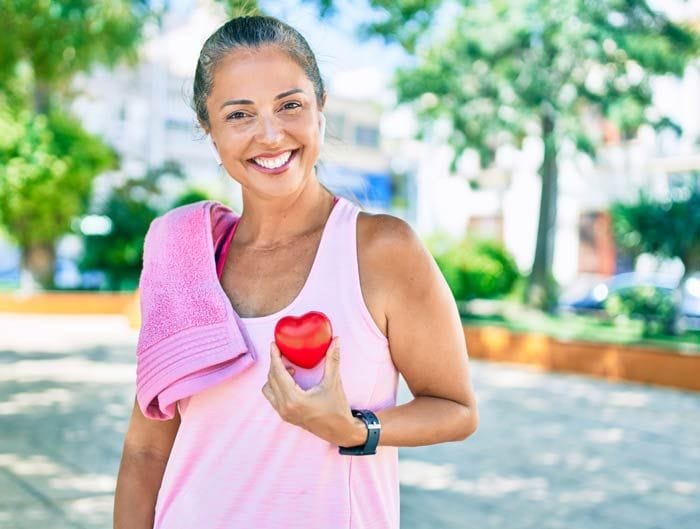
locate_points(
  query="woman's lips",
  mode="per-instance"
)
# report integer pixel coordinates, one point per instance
(276, 170)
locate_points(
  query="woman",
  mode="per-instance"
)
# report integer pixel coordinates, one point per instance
(271, 459)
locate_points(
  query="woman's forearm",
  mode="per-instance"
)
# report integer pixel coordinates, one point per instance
(422, 421)
(139, 479)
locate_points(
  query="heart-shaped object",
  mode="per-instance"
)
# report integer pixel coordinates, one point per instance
(304, 340)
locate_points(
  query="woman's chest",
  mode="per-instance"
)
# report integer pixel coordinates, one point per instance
(263, 283)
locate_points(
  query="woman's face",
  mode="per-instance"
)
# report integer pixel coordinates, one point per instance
(264, 120)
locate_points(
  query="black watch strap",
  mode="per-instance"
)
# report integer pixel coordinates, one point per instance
(374, 428)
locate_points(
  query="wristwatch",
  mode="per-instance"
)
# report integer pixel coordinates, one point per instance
(374, 428)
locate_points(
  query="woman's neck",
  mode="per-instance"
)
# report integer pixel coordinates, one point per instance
(267, 224)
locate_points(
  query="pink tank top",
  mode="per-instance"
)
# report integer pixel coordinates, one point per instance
(236, 464)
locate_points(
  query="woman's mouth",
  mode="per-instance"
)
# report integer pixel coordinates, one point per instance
(276, 164)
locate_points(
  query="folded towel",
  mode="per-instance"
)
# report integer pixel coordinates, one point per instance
(190, 336)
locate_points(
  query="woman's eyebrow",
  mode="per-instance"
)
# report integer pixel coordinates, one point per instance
(249, 102)
(288, 93)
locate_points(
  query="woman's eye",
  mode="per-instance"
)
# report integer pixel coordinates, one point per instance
(291, 105)
(236, 115)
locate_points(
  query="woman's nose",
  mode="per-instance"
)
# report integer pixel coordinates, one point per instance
(269, 130)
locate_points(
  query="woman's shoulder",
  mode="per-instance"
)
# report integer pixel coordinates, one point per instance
(388, 247)
(384, 233)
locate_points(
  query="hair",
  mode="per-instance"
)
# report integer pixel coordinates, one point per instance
(251, 32)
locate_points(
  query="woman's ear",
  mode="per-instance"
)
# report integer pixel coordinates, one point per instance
(214, 150)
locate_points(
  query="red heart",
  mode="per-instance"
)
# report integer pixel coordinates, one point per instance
(304, 340)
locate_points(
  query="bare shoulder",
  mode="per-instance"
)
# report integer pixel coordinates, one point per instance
(391, 257)
(384, 234)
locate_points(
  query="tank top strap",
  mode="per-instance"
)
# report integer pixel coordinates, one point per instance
(336, 260)
(337, 270)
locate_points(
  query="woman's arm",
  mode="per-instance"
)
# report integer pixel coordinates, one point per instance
(426, 340)
(146, 450)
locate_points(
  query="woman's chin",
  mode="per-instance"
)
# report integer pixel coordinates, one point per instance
(277, 186)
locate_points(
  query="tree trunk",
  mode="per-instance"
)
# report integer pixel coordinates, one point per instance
(541, 290)
(39, 260)
(42, 93)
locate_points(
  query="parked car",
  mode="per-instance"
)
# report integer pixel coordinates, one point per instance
(589, 295)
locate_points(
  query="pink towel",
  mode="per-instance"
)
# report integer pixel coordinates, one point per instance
(190, 336)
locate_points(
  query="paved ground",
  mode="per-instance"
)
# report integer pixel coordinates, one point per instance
(552, 451)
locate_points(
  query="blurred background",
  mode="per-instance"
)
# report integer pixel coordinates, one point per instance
(548, 153)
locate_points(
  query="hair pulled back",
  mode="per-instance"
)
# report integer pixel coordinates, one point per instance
(251, 32)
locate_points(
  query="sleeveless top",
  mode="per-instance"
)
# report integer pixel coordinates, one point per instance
(236, 464)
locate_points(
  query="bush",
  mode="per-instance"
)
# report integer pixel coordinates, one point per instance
(476, 268)
(653, 305)
(191, 195)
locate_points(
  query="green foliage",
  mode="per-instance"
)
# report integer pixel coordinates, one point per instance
(131, 207)
(654, 306)
(500, 63)
(192, 195)
(59, 38)
(47, 164)
(404, 22)
(668, 228)
(47, 160)
(241, 8)
(475, 268)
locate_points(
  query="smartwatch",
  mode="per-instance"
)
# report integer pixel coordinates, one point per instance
(374, 428)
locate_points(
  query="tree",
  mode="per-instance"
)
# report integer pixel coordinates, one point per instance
(46, 43)
(665, 228)
(504, 70)
(47, 160)
(47, 164)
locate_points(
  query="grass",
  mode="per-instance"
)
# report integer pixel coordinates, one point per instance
(566, 326)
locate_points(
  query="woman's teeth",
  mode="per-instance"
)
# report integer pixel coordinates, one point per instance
(273, 163)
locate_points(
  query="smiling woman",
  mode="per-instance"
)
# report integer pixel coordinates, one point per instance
(275, 445)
